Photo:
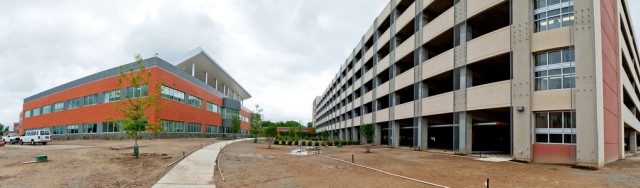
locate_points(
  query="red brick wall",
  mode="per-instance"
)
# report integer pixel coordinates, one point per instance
(552, 153)
(610, 78)
(245, 125)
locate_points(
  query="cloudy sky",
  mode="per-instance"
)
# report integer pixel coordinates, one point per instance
(284, 52)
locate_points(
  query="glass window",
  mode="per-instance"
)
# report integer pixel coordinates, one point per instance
(568, 55)
(73, 103)
(90, 128)
(36, 112)
(561, 127)
(212, 129)
(555, 138)
(541, 59)
(110, 127)
(172, 126)
(111, 96)
(140, 91)
(46, 109)
(541, 3)
(72, 129)
(195, 101)
(27, 113)
(551, 14)
(58, 106)
(555, 57)
(91, 100)
(229, 113)
(194, 128)
(555, 119)
(213, 108)
(541, 120)
(172, 94)
(57, 130)
(558, 73)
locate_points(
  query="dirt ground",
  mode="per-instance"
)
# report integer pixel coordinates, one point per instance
(92, 163)
(252, 165)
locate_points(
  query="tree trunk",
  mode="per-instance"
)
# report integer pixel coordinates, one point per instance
(368, 148)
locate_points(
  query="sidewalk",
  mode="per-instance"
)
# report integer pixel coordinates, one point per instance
(196, 170)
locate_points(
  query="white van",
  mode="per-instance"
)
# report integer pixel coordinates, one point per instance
(34, 137)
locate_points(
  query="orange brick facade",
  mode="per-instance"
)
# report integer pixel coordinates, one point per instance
(172, 110)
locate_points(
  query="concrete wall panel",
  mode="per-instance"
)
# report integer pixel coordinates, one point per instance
(438, 104)
(489, 45)
(438, 25)
(405, 79)
(476, 6)
(551, 39)
(404, 111)
(486, 96)
(551, 100)
(438, 64)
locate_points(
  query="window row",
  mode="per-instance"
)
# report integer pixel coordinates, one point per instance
(136, 92)
(229, 113)
(213, 107)
(172, 94)
(551, 14)
(556, 127)
(109, 96)
(555, 70)
(87, 128)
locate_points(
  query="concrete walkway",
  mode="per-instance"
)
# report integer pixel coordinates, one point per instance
(196, 170)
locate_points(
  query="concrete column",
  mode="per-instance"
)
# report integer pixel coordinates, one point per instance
(424, 134)
(396, 134)
(464, 133)
(521, 88)
(633, 142)
(378, 134)
(216, 84)
(354, 133)
(206, 78)
(193, 70)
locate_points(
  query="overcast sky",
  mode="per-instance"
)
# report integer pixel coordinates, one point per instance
(284, 52)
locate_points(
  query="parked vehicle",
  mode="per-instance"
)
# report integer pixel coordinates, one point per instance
(1, 143)
(33, 137)
(11, 138)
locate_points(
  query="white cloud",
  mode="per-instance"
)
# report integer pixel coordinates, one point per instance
(284, 52)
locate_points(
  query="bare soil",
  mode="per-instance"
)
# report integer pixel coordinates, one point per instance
(93, 163)
(252, 165)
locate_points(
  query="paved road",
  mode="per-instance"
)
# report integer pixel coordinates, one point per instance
(196, 170)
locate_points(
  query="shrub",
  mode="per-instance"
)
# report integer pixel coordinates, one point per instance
(317, 143)
(304, 143)
(275, 141)
(309, 143)
(295, 143)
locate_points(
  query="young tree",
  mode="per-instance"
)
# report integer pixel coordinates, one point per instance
(309, 124)
(368, 132)
(325, 135)
(3, 129)
(235, 125)
(256, 122)
(137, 102)
(335, 135)
(270, 132)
